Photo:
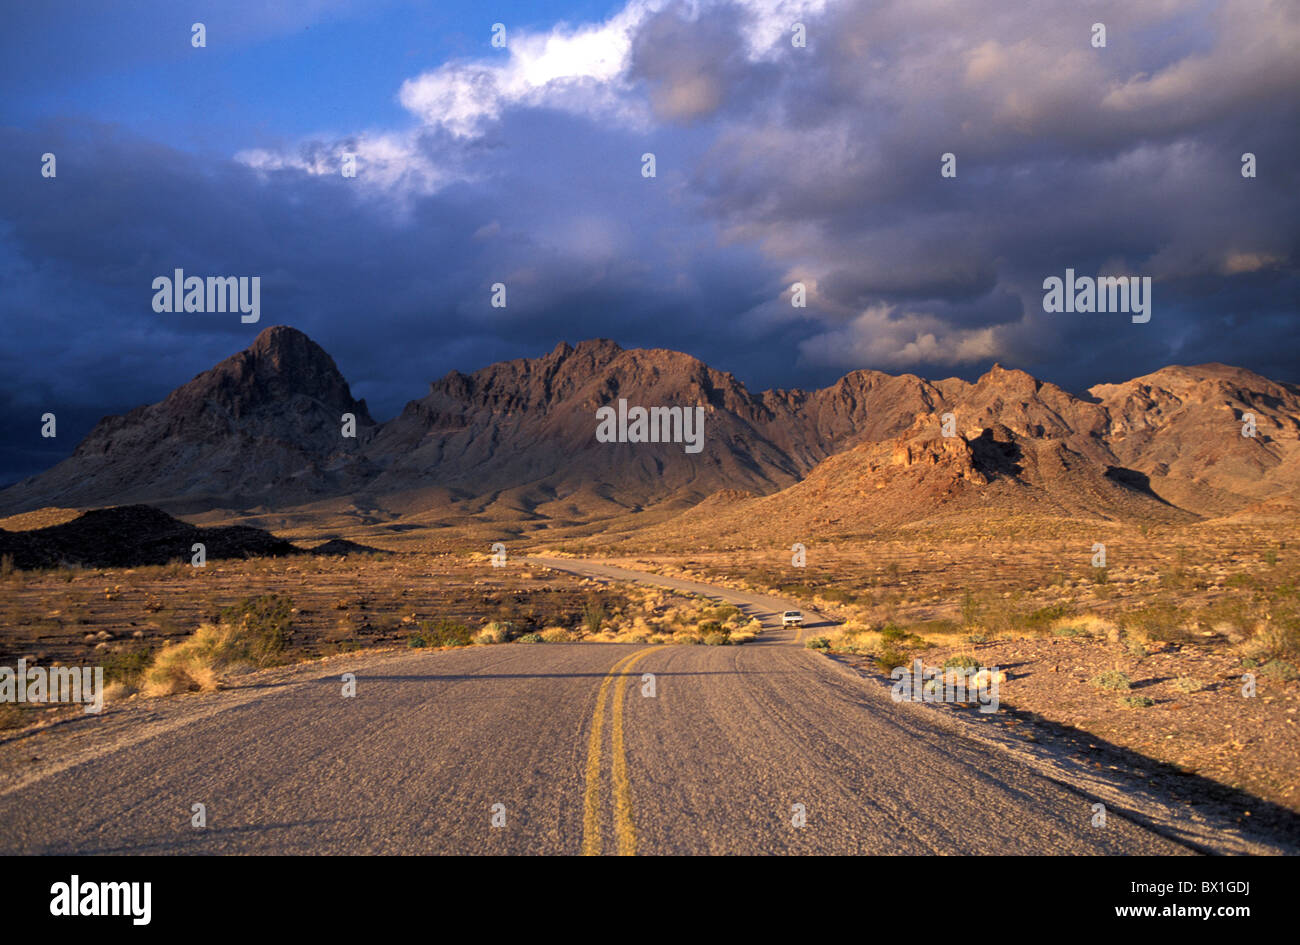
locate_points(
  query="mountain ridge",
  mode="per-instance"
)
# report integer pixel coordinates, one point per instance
(263, 429)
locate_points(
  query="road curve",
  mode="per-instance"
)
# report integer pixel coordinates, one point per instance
(542, 748)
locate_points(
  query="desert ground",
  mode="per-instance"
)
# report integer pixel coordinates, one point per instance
(1149, 657)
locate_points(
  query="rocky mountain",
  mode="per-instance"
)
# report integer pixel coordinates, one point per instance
(1182, 427)
(527, 428)
(262, 427)
(1163, 448)
(519, 440)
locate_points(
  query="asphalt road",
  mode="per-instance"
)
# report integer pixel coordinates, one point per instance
(761, 748)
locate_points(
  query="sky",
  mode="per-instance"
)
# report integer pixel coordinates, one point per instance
(522, 164)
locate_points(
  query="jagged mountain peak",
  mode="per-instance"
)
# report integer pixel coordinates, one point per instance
(281, 363)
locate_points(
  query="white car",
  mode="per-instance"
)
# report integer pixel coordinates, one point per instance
(792, 618)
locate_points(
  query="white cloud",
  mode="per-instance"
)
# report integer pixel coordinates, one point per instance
(579, 69)
(884, 337)
(389, 162)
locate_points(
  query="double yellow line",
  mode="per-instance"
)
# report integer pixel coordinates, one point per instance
(624, 831)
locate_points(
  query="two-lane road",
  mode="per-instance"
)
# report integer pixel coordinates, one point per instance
(567, 748)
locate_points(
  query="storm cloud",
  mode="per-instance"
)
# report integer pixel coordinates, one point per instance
(776, 164)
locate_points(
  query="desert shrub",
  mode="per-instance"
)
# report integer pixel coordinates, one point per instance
(970, 609)
(531, 638)
(1112, 679)
(795, 590)
(125, 666)
(890, 633)
(263, 623)
(709, 628)
(1272, 642)
(836, 595)
(593, 615)
(1041, 619)
(1188, 684)
(723, 613)
(11, 716)
(1280, 670)
(961, 661)
(494, 632)
(1138, 702)
(716, 639)
(889, 659)
(556, 635)
(446, 632)
(1162, 622)
(197, 662)
(939, 627)
(818, 643)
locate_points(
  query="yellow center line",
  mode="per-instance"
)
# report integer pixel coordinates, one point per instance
(591, 797)
(624, 829)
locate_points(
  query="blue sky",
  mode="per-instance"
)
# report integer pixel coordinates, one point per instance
(775, 163)
(270, 74)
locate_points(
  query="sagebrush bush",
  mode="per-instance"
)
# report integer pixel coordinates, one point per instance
(126, 666)
(1280, 670)
(441, 633)
(492, 633)
(889, 659)
(1271, 642)
(264, 623)
(1112, 679)
(711, 628)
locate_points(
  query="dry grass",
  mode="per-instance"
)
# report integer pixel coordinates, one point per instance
(655, 615)
(197, 663)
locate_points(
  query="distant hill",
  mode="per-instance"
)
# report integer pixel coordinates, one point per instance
(130, 536)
